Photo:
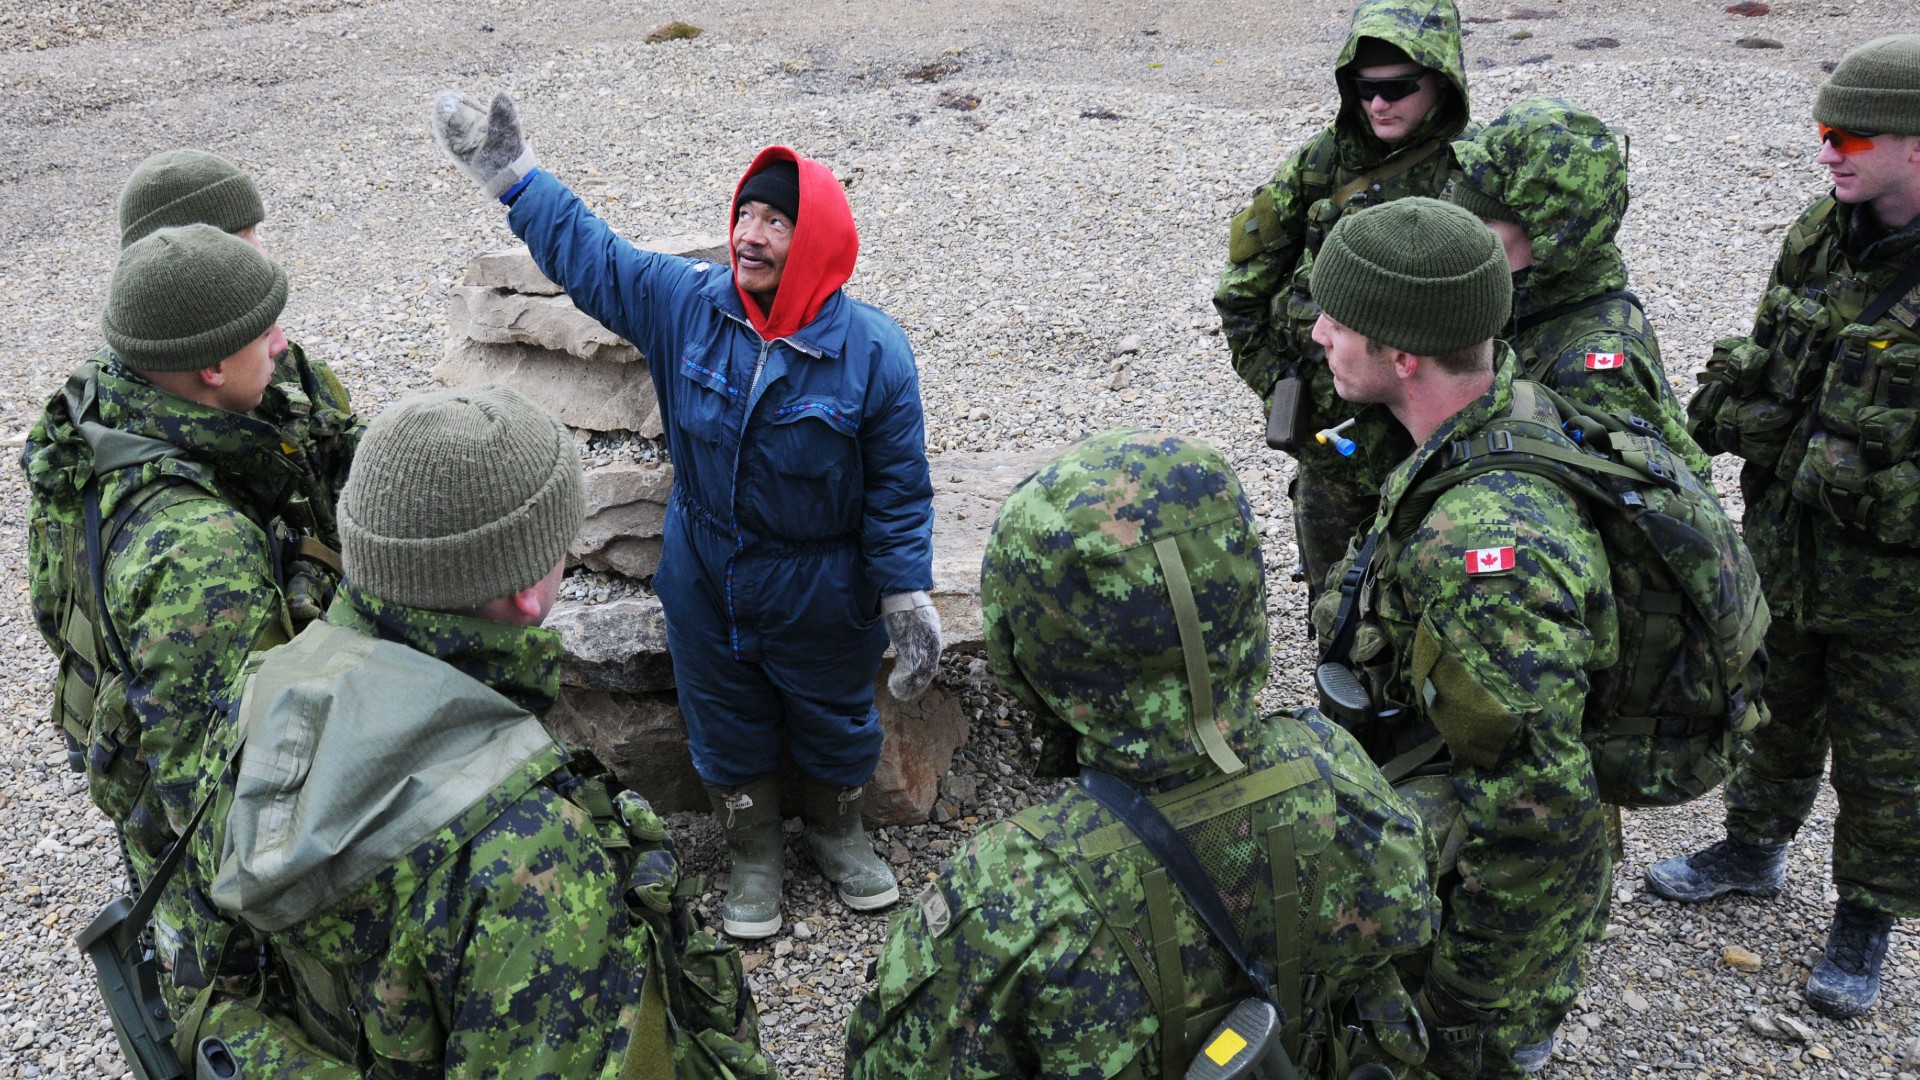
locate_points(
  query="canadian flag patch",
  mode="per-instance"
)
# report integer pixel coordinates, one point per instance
(1489, 560)
(1606, 361)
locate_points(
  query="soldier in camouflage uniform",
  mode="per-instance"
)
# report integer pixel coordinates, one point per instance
(1820, 402)
(433, 885)
(1474, 636)
(1053, 946)
(1379, 148)
(196, 499)
(1550, 181)
(204, 505)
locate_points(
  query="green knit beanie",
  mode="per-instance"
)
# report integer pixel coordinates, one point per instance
(187, 298)
(1876, 88)
(187, 187)
(458, 497)
(1415, 274)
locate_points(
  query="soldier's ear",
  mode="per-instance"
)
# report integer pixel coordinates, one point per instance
(213, 377)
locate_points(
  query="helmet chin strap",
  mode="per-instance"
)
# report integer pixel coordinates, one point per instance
(1199, 682)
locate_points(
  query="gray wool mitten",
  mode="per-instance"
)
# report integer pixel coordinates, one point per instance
(485, 144)
(913, 625)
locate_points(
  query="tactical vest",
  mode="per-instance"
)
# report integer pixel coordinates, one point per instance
(1665, 722)
(692, 1016)
(1264, 839)
(1819, 399)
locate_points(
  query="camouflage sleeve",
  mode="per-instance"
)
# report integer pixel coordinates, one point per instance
(1264, 246)
(190, 589)
(1000, 970)
(1502, 655)
(513, 959)
(1608, 371)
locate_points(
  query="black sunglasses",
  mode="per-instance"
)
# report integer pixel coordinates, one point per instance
(1392, 89)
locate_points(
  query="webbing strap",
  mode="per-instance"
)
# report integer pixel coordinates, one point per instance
(1285, 879)
(1193, 647)
(1397, 768)
(1387, 172)
(1891, 295)
(1167, 966)
(649, 1054)
(97, 570)
(310, 548)
(1122, 801)
(1346, 621)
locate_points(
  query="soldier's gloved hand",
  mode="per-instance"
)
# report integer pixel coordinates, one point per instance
(913, 625)
(309, 590)
(1456, 1032)
(484, 143)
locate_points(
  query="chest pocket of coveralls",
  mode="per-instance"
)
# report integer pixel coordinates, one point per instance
(702, 398)
(812, 452)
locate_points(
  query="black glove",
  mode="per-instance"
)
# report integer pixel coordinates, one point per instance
(486, 145)
(913, 625)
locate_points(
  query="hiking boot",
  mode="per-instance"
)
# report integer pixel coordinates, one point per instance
(1732, 865)
(1533, 1057)
(1846, 982)
(838, 841)
(750, 815)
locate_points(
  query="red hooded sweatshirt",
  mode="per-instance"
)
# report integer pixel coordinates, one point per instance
(820, 258)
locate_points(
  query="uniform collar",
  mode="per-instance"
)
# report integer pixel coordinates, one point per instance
(522, 663)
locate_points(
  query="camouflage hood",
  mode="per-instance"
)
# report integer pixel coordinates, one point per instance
(1428, 31)
(1125, 603)
(1559, 174)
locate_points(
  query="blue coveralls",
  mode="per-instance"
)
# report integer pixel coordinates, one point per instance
(801, 495)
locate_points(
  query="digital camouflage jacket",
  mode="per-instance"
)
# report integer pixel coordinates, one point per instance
(440, 889)
(201, 510)
(1054, 946)
(1559, 173)
(1481, 630)
(1826, 413)
(1265, 306)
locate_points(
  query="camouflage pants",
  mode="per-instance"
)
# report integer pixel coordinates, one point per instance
(1856, 695)
(1335, 497)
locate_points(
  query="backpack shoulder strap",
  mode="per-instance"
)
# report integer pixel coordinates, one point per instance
(1389, 170)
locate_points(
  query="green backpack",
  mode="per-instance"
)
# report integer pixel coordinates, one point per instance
(1664, 724)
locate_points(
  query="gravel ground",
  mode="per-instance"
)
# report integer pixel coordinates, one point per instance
(1042, 191)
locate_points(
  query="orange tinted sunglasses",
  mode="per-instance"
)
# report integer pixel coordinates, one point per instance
(1848, 142)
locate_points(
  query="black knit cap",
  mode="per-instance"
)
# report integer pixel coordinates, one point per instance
(777, 185)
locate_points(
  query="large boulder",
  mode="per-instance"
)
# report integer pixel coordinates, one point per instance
(509, 323)
(968, 489)
(619, 645)
(583, 394)
(626, 513)
(643, 739)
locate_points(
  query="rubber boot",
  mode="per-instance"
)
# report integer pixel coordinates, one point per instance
(838, 840)
(751, 817)
(1846, 981)
(1732, 865)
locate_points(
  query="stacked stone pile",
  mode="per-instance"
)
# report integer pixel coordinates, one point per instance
(508, 323)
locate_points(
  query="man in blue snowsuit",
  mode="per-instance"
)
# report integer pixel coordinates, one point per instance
(799, 537)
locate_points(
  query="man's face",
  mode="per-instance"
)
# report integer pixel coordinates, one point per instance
(1394, 120)
(761, 237)
(1885, 175)
(276, 339)
(244, 375)
(1513, 238)
(547, 591)
(1360, 374)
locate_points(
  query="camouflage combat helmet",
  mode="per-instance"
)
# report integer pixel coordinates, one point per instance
(1557, 172)
(1125, 603)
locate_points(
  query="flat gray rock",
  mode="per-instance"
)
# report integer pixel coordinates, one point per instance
(581, 393)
